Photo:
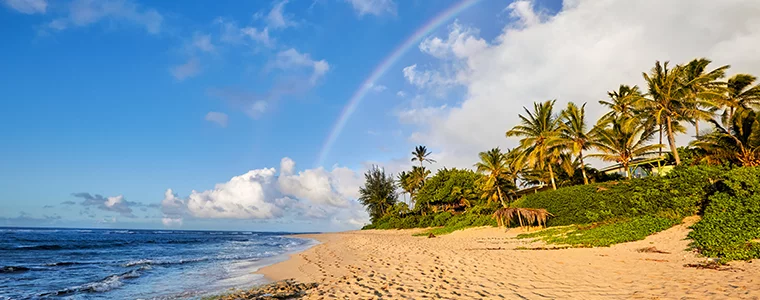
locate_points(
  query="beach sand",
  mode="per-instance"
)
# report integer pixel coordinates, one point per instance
(482, 263)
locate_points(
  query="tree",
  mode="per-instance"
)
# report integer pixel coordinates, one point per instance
(665, 103)
(420, 154)
(738, 142)
(701, 88)
(623, 140)
(493, 164)
(378, 194)
(739, 94)
(622, 103)
(416, 180)
(574, 133)
(405, 183)
(540, 132)
(449, 189)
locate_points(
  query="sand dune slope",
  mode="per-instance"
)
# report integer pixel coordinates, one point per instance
(482, 263)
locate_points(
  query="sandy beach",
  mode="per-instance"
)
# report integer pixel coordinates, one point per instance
(487, 263)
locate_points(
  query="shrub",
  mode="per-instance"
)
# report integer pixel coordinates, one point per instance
(730, 226)
(680, 193)
(441, 219)
(605, 234)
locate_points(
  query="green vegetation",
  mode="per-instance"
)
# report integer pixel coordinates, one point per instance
(715, 176)
(678, 194)
(730, 225)
(603, 234)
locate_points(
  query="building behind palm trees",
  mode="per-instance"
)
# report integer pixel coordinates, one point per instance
(641, 167)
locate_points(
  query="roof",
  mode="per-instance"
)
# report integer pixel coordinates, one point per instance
(634, 162)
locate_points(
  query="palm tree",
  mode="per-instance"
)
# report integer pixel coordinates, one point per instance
(622, 103)
(739, 94)
(420, 154)
(417, 178)
(665, 103)
(574, 133)
(493, 164)
(623, 140)
(404, 183)
(515, 164)
(540, 141)
(701, 88)
(739, 142)
(378, 193)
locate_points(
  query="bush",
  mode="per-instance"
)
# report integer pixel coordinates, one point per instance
(606, 234)
(441, 219)
(680, 193)
(730, 226)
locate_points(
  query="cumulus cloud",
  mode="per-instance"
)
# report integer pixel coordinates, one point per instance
(373, 7)
(114, 204)
(28, 6)
(461, 42)
(203, 42)
(265, 194)
(82, 13)
(587, 49)
(186, 70)
(291, 59)
(217, 117)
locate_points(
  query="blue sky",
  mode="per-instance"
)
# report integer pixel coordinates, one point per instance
(128, 99)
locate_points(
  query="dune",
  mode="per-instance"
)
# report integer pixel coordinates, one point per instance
(487, 263)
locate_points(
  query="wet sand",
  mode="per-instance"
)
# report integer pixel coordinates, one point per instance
(483, 263)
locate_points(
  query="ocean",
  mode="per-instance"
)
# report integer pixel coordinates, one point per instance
(134, 264)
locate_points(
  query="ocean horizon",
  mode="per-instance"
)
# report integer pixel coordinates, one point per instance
(97, 263)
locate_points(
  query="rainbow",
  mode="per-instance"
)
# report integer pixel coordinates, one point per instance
(383, 67)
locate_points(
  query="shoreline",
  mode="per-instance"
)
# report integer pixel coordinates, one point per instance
(491, 263)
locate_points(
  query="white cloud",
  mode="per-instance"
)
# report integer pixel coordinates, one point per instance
(277, 19)
(248, 196)
(85, 12)
(376, 87)
(217, 117)
(186, 70)
(28, 6)
(421, 115)
(291, 59)
(373, 7)
(401, 94)
(438, 80)
(587, 49)
(316, 185)
(315, 194)
(461, 42)
(171, 222)
(203, 42)
(525, 13)
(261, 36)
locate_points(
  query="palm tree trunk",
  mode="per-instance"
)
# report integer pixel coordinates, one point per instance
(583, 167)
(498, 190)
(672, 141)
(660, 150)
(627, 170)
(551, 175)
(696, 127)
